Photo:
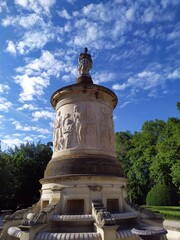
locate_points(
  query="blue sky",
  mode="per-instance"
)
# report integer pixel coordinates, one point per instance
(135, 47)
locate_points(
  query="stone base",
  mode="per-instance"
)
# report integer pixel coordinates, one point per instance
(83, 165)
(72, 191)
(84, 79)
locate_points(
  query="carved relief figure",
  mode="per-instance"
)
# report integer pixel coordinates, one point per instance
(67, 131)
(80, 128)
(85, 63)
(106, 129)
(103, 128)
(58, 140)
(111, 134)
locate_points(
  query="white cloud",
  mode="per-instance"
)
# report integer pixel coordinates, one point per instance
(71, 1)
(99, 26)
(31, 40)
(32, 86)
(46, 64)
(90, 35)
(153, 82)
(64, 14)
(4, 88)
(27, 106)
(27, 128)
(43, 114)
(99, 12)
(148, 15)
(35, 76)
(175, 34)
(11, 48)
(124, 104)
(27, 21)
(119, 28)
(21, 138)
(174, 75)
(101, 77)
(38, 6)
(11, 142)
(5, 105)
(66, 78)
(34, 32)
(46, 5)
(118, 86)
(130, 14)
(34, 39)
(3, 5)
(2, 118)
(166, 3)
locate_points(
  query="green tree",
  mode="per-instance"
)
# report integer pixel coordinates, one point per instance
(150, 157)
(168, 154)
(26, 165)
(123, 145)
(178, 106)
(175, 173)
(6, 176)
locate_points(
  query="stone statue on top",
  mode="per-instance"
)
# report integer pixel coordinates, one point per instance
(84, 63)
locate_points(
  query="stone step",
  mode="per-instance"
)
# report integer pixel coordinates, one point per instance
(126, 235)
(69, 236)
(97, 203)
(71, 218)
(99, 207)
(125, 215)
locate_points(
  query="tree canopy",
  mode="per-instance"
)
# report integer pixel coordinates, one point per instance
(21, 169)
(150, 157)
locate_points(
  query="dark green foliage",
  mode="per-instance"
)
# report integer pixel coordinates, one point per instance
(178, 105)
(160, 195)
(21, 169)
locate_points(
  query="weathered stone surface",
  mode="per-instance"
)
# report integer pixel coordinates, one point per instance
(86, 165)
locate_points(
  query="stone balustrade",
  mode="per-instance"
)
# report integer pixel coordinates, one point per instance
(70, 218)
(15, 232)
(69, 236)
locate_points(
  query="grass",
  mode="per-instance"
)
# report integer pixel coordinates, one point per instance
(168, 212)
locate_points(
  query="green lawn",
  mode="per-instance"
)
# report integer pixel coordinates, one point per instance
(169, 212)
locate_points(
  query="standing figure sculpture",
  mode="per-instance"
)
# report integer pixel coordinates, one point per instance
(79, 125)
(58, 132)
(67, 131)
(85, 63)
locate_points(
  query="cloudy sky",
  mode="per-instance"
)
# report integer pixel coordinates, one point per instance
(135, 47)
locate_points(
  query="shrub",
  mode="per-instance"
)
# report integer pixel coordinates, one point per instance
(159, 195)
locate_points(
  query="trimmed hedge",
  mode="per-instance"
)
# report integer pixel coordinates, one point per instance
(159, 195)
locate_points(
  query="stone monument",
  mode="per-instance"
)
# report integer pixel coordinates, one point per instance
(84, 188)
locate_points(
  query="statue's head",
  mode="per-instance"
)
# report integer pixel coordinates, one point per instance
(85, 50)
